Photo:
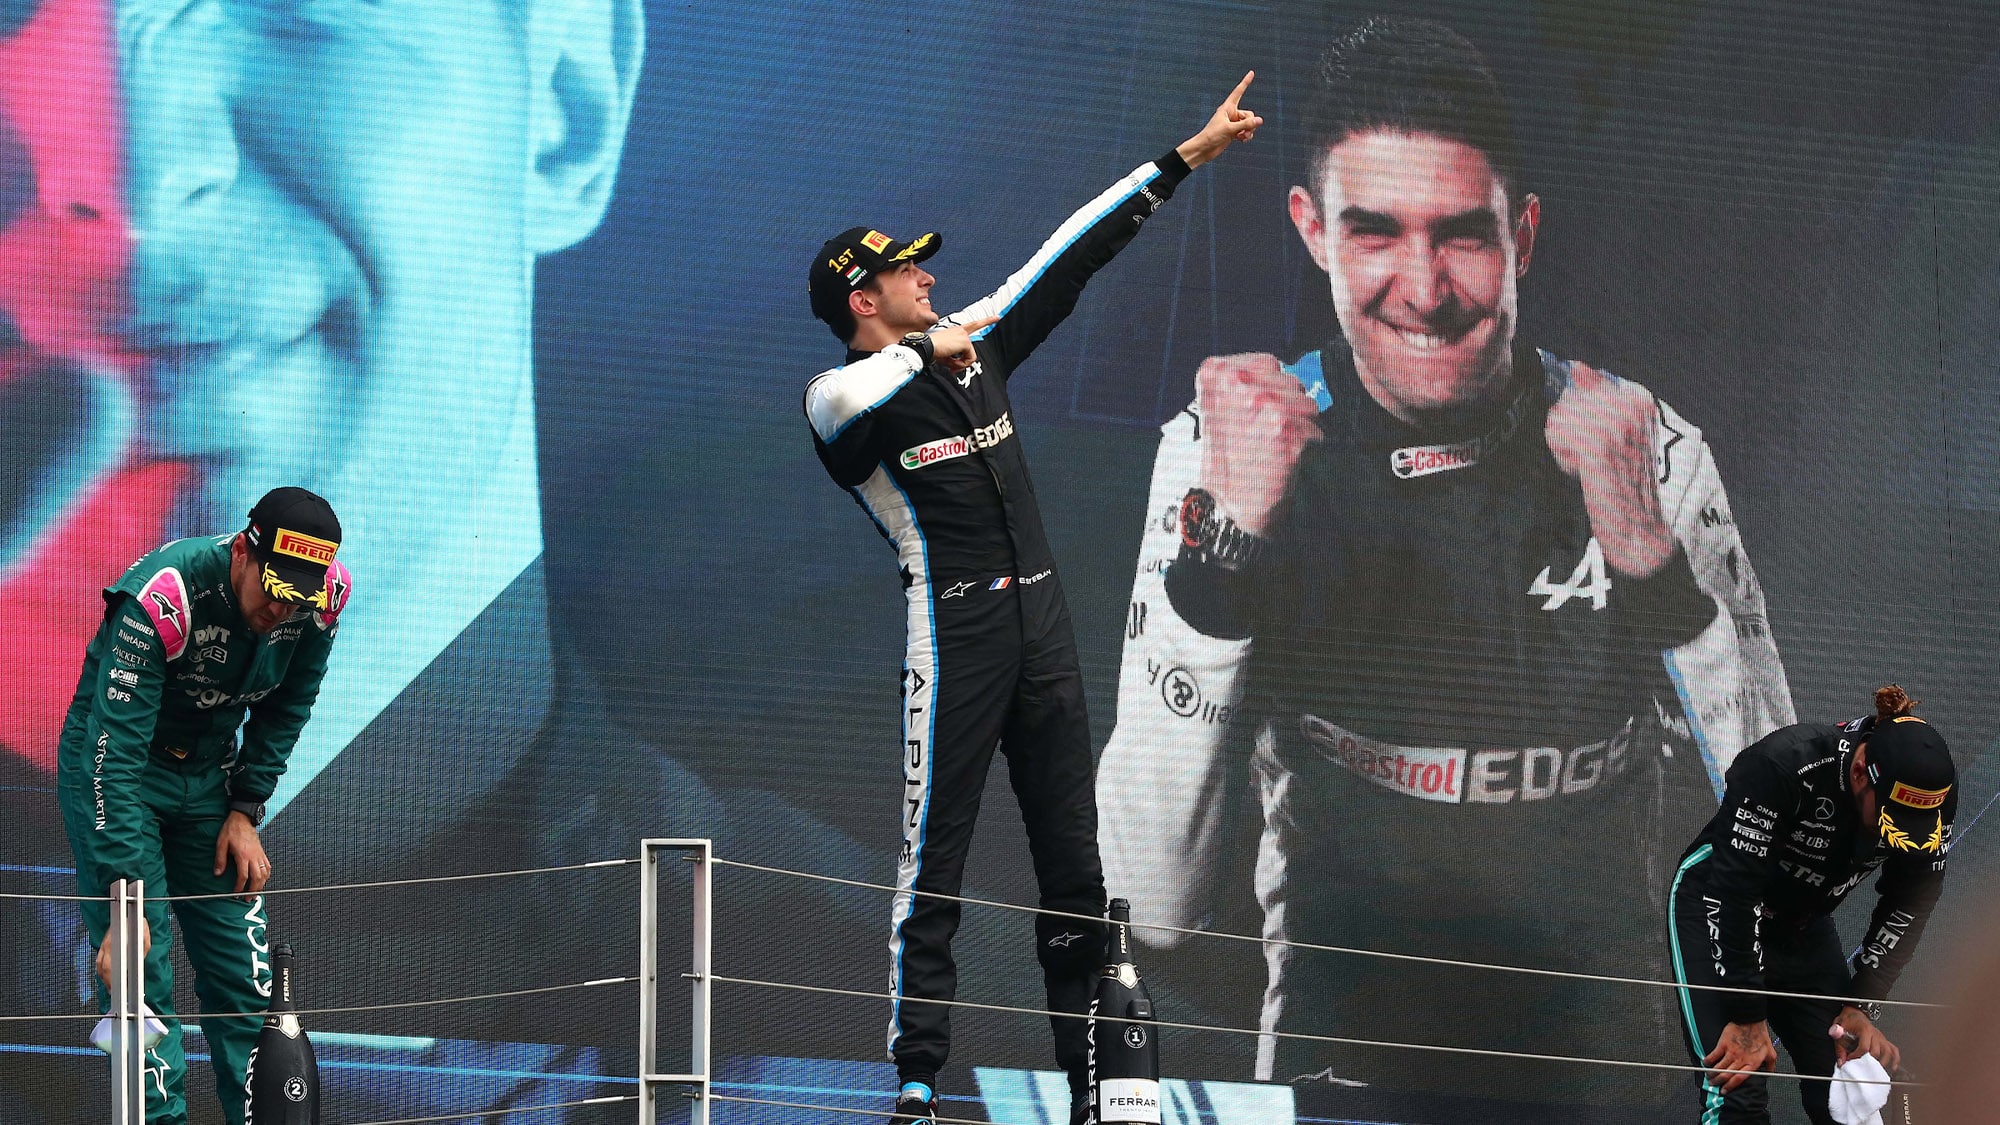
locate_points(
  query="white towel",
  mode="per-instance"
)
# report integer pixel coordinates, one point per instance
(1860, 1090)
(100, 1035)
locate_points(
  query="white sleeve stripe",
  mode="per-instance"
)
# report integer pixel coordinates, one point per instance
(838, 397)
(1089, 215)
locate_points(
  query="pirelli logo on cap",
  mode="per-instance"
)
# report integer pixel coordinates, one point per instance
(875, 240)
(1918, 798)
(302, 546)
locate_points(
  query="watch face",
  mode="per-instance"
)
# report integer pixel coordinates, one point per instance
(1196, 508)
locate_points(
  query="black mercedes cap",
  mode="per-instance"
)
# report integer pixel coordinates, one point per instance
(293, 535)
(1914, 782)
(853, 256)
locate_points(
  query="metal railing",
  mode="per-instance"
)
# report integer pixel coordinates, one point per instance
(695, 1082)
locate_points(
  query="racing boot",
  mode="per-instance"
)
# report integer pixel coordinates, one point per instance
(915, 1105)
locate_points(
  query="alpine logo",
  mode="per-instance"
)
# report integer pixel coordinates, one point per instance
(946, 449)
(1588, 581)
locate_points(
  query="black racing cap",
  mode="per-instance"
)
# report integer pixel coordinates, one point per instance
(1914, 782)
(293, 535)
(853, 256)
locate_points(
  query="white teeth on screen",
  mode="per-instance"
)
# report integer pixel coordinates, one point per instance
(1422, 340)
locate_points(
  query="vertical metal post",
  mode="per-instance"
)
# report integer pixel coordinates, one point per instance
(704, 921)
(696, 1080)
(649, 978)
(128, 1001)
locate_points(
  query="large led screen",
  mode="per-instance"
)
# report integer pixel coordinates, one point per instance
(520, 288)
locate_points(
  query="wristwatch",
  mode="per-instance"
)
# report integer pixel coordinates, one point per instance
(1212, 537)
(1871, 1009)
(921, 344)
(252, 809)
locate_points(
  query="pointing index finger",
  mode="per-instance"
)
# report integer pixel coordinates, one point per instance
(1236, 95)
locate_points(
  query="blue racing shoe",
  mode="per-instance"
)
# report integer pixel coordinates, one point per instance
(915, 1105)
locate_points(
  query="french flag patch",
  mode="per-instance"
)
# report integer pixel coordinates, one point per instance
(1001, 583)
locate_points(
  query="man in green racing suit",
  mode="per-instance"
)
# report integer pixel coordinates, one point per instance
(155, 783)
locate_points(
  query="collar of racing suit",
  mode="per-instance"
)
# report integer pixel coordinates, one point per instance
(1538, 380)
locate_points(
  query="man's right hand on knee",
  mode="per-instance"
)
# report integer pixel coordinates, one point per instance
(1743, 1046)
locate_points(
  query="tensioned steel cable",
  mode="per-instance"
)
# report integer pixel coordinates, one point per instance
(403, 882)
(810, 1105)
(497, 1112)
(338, 886)
(1306, 1037)
(1315, 946)
(184, 1016)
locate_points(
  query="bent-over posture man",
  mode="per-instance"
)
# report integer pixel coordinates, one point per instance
(154, 782)
(917, 425)
(1810, 810)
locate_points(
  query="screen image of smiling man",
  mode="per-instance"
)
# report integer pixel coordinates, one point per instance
(317, 223)
(1449, 596)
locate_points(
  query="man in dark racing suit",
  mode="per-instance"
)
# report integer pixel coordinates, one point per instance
(1810, 811)
(1477, 617)
(917, 425)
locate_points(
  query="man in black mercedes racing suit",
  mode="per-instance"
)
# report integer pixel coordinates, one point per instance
(917, 425)
(1809, 812)
(1462, 630)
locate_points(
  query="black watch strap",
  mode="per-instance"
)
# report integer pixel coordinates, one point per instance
(252, 809)
(921, 344)
(1212, 537)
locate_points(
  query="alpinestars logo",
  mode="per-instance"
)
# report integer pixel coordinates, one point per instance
(169, 612)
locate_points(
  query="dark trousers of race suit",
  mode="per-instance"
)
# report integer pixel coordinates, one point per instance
(976, 678)
(1808, 959)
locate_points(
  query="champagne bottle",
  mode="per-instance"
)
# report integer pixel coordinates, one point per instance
(282, 1079)
(1124, 1059)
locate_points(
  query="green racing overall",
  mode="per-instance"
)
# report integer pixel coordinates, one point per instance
(150, 762)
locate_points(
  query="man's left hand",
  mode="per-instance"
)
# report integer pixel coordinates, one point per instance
(1867, 1039)
(1231, 122)
(238, 844)
(1601, 433)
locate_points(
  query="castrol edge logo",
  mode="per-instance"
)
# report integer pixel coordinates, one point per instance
(944, 449)
(1918, 798)
(1422, 460)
